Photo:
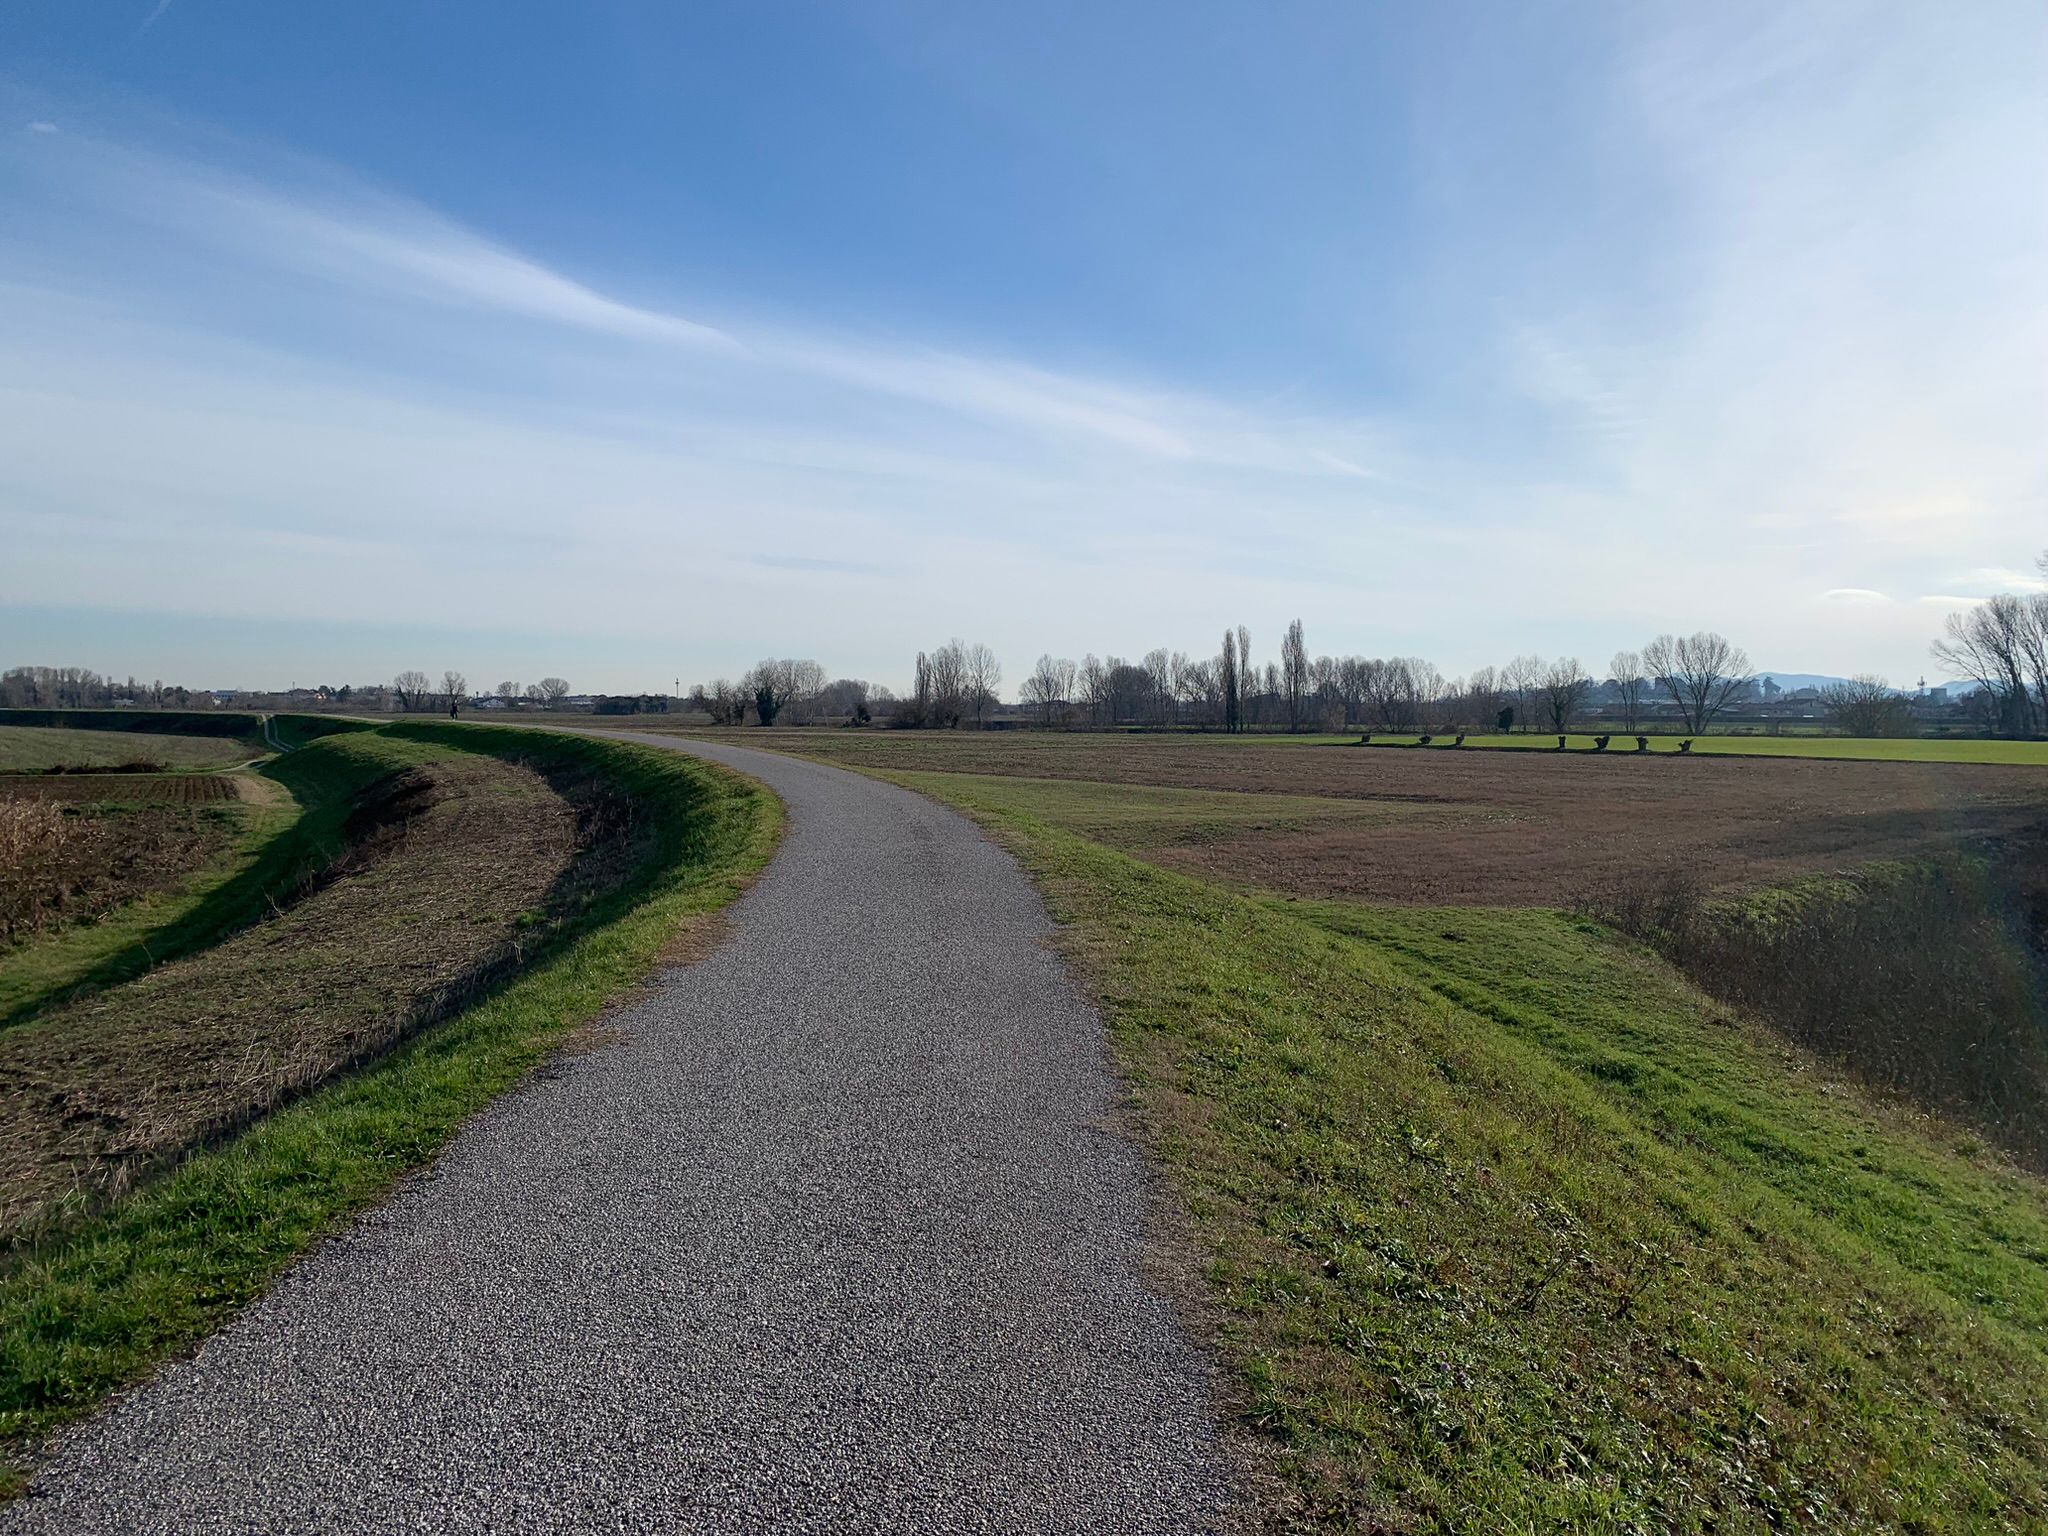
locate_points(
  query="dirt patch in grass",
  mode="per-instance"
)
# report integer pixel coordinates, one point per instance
(1493, 828)
(62, 864)
(452, 871)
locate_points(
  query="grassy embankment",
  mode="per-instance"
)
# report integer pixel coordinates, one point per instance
(98, 1300)
(1507, 1228)
(288, 822)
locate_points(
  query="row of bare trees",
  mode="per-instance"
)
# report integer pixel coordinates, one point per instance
(954, 685)
(2002, 645)
(1702, 675)
(790, 690)
(415, 691)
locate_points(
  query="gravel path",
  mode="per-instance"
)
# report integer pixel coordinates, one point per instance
(835, 1238)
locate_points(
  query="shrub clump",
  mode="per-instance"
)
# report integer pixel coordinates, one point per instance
(1925, 979)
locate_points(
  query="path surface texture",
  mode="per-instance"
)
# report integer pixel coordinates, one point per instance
(836, 1237)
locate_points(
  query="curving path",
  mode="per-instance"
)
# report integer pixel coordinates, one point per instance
(835, 1238)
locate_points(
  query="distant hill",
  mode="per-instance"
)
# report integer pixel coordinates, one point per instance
(1791, 680)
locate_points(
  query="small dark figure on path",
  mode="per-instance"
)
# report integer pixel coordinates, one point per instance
(1685, 745)
(451, 709)
(1642, 743)
(1560, 743)
(1600, 743)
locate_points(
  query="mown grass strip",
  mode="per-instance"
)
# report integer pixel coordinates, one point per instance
(85, 1312)
(1496, 1248)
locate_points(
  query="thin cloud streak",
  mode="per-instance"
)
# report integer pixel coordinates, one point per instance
(377, 243)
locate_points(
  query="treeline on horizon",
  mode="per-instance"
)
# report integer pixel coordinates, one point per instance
(1685, 682)
(2000, 645)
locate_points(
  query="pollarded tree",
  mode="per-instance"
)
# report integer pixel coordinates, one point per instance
(1703, 673)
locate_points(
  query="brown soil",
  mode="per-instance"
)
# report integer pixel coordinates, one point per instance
(68, 864)
(128, 788)
(453, 873)
(1499, 828)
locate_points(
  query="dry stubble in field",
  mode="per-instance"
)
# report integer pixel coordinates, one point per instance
(1477, 829)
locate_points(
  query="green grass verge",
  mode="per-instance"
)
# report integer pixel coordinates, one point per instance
(1511, 1230)
(1155, 815)
(86, 1311)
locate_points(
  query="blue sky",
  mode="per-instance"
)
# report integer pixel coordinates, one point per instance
(630, 341)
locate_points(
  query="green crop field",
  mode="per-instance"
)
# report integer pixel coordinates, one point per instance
(39, 749)
(1862, 749)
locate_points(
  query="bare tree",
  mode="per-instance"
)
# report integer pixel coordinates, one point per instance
(722, 700)
(1247, 677)
(1867, 706)
(1627, 670)
(1227, 674)
(1993, 644)
(507, 691)
(786, 684)
(1158, 667)
(947, 684)
(1048, 688)
(1294, 674)
(1520, 680)
(917, 709)
(1194, 687)
(1564, 690)
(983, 676)
(1094, 687)
(1703, 673)
(411, 688)
(454, 688)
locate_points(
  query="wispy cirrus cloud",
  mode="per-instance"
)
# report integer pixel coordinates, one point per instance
(325, 225)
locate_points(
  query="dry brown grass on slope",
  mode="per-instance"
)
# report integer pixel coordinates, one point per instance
(450, 874)
(63, 865)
